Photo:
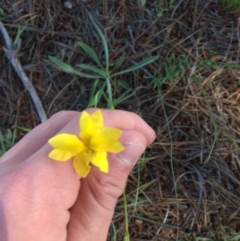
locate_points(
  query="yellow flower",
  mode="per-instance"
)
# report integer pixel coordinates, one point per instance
(90, 147)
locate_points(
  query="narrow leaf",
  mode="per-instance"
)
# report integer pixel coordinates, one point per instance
(120, 61)
(126, 96)
(123, 84)
(60, 64)
(90, 52)
(95, 96)
(103, 40)
(138, 65)
(19, 33)
(69, 69)
(92, 68)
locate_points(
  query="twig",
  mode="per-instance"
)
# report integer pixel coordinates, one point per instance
(10, 54)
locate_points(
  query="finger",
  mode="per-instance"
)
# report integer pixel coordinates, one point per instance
(36, 138)
(92, 213)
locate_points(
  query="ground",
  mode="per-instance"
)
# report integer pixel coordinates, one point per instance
(187, 184)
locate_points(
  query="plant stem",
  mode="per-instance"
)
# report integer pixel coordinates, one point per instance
(109, 90)
(126, 232)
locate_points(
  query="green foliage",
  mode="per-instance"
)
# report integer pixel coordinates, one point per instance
(90, 52)
(165, 6)
(17, 38)
(231, 5)
(226, 235)
(103, 40)
(142, 3)
(102, 74)
(173, 68)
(2, 14)
(9, 139)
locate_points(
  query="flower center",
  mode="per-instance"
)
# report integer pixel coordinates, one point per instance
(89, 152)
(88, 155)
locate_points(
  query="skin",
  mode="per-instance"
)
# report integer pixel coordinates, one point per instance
(41, 199)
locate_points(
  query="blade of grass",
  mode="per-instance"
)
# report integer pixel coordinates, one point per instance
(103, 40)
(171, 159)
(93, 69)
(120, 61)
(125, 96)
(90, 52)
(126, 231)
(109, 91)
(14, 135)
(139, 169)
(98, 97)
(114, 231)
(3, 148)
(92, 93)
(137, 66)
(19, 33)
(215, 126)
(69, 69)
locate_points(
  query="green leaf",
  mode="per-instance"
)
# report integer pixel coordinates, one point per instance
(120, 61)
(93, 69)
(138, 65)
(69, 69)
(126, 96)
(103, 40)
(90, 52)
(9, 136)
(63, 66)
(23, 128)
(95, 100)
(95, 96)
(2, 144)
(123, 84)
(19, 33)
(2, 13)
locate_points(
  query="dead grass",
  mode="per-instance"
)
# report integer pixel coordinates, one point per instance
(189, 179)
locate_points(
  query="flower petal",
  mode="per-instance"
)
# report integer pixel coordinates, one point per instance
(81, 163)
(97, 119)
(116, 147)
(70, 144)
(99, 159)
(60, 155)
(86, 127)
(103, 139)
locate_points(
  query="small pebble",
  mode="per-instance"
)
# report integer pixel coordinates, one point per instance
(68, 5)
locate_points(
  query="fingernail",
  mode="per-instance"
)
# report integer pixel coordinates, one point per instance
(131, 153)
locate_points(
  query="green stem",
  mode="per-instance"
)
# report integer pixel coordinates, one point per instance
(109, 90)
(126, 233)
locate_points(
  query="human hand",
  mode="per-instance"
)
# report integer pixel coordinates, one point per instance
(41, 199)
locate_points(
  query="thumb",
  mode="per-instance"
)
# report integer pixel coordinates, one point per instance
(92, 213)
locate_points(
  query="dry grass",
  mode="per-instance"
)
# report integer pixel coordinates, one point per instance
(188, 181)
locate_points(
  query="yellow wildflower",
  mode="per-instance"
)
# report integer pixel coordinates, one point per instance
(91, 147)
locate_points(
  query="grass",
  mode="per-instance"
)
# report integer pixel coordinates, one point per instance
(226, 234)
(101, 73)
(231, 5)
(186, 186)
(9, 139)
